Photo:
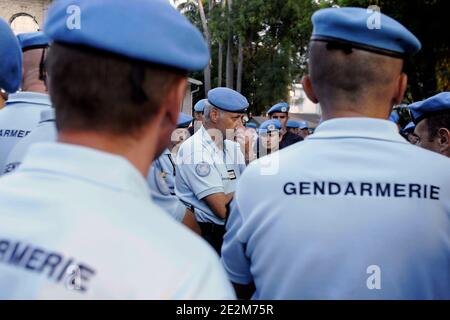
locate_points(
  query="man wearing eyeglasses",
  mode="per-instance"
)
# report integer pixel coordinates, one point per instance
(209, 163)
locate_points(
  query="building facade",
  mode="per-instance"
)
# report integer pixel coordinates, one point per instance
(300, 103)
(24, 15)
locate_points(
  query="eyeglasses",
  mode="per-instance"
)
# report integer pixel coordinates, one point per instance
(413, 138)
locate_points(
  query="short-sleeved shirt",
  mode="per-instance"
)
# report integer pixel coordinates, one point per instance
(78, 223)
(44, 132)
(354, 212)
(161, 180)
(18, 118)
(204, 169)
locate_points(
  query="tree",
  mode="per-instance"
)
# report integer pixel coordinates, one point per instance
(271, 37)
(429, 70)
(229, 61)
(207, 71)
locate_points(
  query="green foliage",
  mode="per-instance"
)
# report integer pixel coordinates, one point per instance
(276, 33)
(429, 70)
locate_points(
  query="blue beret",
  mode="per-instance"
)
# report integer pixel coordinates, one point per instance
(351, 26)
(394, 117)
(228, 100)
(304, 125)
(409, 127)
(292, 124)
(151, 31)
(33, 40)
(184, 120)
(250, 125)
(279, 107)
(270, 125)
(435, 105)
(200, 105)
(10, 59)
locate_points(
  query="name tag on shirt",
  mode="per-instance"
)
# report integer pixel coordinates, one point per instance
(231, 175)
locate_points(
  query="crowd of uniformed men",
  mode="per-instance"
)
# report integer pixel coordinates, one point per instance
(108, 191)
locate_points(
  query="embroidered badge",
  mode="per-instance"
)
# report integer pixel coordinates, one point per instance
(161, 183)
(203, 169)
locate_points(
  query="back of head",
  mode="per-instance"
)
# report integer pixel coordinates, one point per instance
(97, 91)
(34, 46)
(112, 63)
(351, 79)
(355, 67)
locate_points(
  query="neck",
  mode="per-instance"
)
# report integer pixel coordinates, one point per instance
(139, 152)
(34, 86)
(377, 113)
(218, 142)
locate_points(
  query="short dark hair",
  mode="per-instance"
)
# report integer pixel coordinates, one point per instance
(347, 74)
(100, 91)
(437, 122)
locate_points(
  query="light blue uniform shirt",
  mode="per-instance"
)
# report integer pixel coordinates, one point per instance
(161, 180)
(44, 132)
(77, 223)
(354, 212)
(20, 116)
(203, 169)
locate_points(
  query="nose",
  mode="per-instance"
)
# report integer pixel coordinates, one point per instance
(240, 124)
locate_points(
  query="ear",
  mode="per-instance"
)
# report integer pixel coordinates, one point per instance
(214, 115)
(307, 86)
(174, 100)
(444, 141)
(402, 83)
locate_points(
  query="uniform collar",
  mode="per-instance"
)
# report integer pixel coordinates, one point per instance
(368, 128)
(206, 138)
(29, 97)
(102, 168)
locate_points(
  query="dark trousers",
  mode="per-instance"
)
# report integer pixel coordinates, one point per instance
(213, 234)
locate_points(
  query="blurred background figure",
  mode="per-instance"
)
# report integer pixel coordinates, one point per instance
(280, 112)
(304, 129)
(293, 126)
(161, 177)
(23, 109)
(10, 80)
(251, 139)
(432, 120)
(198, 116)
(10, 61)
(180, 134)
(45, 131)
(408, 133)
(269, 137)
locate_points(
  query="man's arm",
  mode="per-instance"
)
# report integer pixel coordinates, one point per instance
(190, 222)
(218, 202)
